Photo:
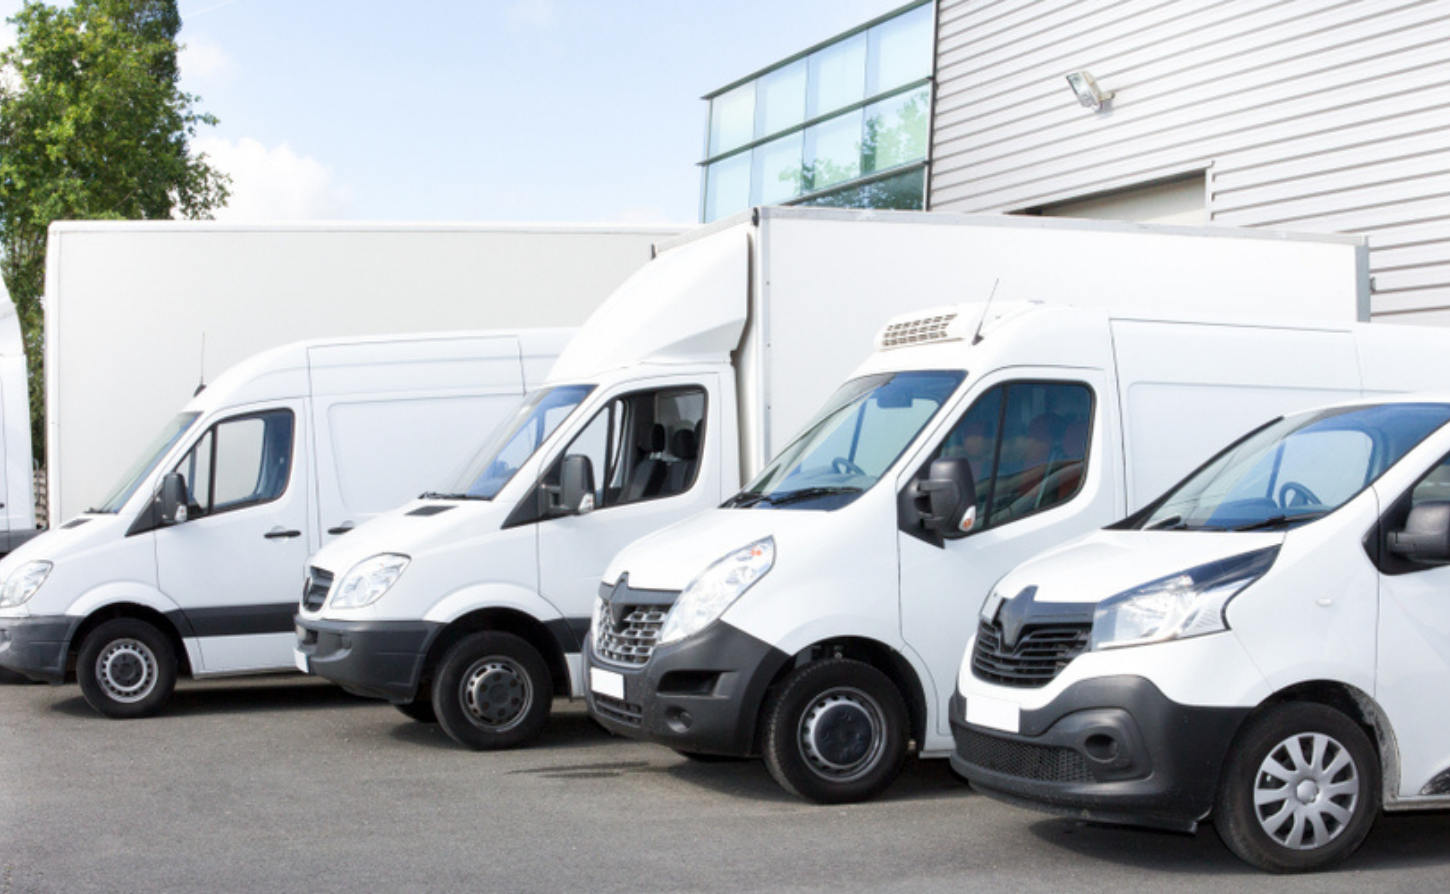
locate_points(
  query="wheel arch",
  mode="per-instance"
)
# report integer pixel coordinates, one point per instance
(136, 611)
(1358, 706)
(539, 634)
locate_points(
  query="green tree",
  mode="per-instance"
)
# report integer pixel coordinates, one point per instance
(93, 126)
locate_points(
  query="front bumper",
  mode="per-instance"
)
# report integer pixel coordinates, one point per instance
(377, 659)
(702, 694)
(1110, 749)
(37, 647)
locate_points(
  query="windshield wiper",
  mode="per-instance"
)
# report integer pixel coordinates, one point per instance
(743, 499)
(1275, 521)
(811, 493)
(1171, 523)
(433, 495)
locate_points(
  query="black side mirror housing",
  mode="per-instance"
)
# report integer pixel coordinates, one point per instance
(1426, 536)
(947, 498)
(172, 499)
(575, 493)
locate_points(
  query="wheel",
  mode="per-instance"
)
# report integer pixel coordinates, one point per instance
(835, 732)
(419, 709)
(1300, 790)
(126, 668)
(492, 691)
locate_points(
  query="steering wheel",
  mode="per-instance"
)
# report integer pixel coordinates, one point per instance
(844, 466)
(1294, 494)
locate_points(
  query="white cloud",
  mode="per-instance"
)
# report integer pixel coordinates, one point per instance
(274, 184)
(203, 58)
(532, 14)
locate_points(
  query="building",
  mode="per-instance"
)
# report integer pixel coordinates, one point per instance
(1311, 116)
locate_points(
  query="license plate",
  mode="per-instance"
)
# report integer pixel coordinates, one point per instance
(300, 660)
(606, 683)
(994, 713)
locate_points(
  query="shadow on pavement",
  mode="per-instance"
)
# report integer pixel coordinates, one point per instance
(199, 698)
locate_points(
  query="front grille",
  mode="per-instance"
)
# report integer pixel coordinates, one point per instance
(1021, 760)
(620, 711)
(633, 641)
(1039, 656)
(315, 591)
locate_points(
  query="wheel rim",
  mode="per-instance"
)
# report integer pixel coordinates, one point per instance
(1306, 791)
(842, 734)
(127, 670)
(496, 693)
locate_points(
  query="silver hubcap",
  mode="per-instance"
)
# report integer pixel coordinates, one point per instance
(126, 669)
(496, 693)
(1306, 791)
(842, 734)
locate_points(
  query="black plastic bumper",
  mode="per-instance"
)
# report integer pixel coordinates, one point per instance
(37, 647)
(377, 659)
(702, 694)
(1113, 749)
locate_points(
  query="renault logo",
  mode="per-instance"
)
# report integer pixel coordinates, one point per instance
(1014, 614)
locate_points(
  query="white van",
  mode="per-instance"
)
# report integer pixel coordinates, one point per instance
(818, 617)
(1266, 645)
(191, 564)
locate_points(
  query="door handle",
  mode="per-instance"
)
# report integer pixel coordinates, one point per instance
(342, 528)
(279, 533)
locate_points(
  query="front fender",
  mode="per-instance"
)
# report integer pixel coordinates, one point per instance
(116, 592)
(474, 597)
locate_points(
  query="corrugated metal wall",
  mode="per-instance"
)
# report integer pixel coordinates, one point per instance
(1307, 115)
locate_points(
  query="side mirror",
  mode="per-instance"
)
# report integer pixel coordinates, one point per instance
(947, 499)
(173, 499)
(576, 486)
(1426, 537)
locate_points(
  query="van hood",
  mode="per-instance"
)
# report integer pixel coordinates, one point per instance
(671, 558)
(79, 536)
(411, 530)
(1105, 563)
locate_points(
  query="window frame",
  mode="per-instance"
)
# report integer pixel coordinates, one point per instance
(212, 509)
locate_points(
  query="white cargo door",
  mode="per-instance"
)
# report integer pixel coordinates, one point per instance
(394, 419)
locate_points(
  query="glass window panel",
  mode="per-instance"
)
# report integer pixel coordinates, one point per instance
(727, 186)
(781, 99)
(901, 50)
(837, 76)
(833, 151)
(777, 174)
(1043, 448)
(896, 131)
(732, 119)
(902, 192)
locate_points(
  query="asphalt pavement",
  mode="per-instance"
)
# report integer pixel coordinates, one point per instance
(285, 784)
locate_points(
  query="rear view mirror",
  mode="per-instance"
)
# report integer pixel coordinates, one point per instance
(173, 499)
(576, 486)
(947, 499)
(1426, 536)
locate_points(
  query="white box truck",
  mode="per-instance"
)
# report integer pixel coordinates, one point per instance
(17, 495)
(473, 606)
(138, 312)
(1265, 645)
(192, 563)
(818, 617)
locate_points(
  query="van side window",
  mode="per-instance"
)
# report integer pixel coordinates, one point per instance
(1434, 486)
(1027, 445)
(643, 446)
(239, 462)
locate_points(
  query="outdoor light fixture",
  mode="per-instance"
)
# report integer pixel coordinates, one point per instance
(1088, 92)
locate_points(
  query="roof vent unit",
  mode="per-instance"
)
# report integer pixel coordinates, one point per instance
(916, 330)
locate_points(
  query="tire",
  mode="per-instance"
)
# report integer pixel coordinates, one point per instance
(126, 668)
(1317, 778)
(492, 691)
(835, 732)
(419, 709)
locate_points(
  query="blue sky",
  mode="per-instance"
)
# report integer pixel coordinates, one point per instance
(476, 110)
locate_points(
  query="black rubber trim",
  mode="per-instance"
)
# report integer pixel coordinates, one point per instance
(37, 647)
(569, 633)
(235, 620)
(1162, 771)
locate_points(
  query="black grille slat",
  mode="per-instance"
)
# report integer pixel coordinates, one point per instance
(1022, 760)
(1039, 656)
(319, 582)
(632, 642)
(621, 711)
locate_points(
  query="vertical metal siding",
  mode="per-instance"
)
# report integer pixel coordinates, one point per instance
(1308, 115)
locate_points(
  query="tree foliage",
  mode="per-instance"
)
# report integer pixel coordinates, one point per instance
(93, 126)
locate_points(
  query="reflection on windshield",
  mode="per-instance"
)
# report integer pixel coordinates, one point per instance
(147, 461)
(512, 443)
(864, 427)
(1295, 469)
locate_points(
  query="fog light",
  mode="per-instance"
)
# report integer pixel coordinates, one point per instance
(678, 719)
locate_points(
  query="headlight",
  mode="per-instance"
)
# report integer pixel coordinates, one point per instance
(23, 582)
(1190, 603)
(708, 595)
(368, 581)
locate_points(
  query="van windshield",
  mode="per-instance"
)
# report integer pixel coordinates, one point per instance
(1295, 469)
(851, 443)
(142, 467)
(512, 443)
